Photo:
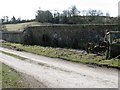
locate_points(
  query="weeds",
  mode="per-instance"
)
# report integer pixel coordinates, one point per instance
(66, 54)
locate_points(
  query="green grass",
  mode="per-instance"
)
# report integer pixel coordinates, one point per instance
(20, 26)
(13, 55)
(66, 54)
(10, 78)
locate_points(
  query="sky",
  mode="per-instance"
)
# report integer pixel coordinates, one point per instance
(26, 9)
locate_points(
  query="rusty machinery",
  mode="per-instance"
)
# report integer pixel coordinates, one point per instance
(110, 47)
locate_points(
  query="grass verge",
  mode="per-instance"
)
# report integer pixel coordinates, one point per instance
(16, 56)
(11, 78)
(66, 54)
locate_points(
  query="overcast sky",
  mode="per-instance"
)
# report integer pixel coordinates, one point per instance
(27, 8)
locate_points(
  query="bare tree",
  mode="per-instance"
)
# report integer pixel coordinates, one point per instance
(74, 11)
(84, 12)
(107, 14)
(91, 12)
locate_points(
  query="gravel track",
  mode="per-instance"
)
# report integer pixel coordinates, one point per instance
(58, 73)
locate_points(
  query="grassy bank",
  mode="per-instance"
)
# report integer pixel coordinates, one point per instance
(11, 78)
(20, 26)
(66, 54)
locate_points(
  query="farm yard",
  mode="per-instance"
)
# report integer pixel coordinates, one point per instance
(52, 53)
(56, 47)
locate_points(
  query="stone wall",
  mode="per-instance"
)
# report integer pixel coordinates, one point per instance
(69, 36)
(15, 37)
